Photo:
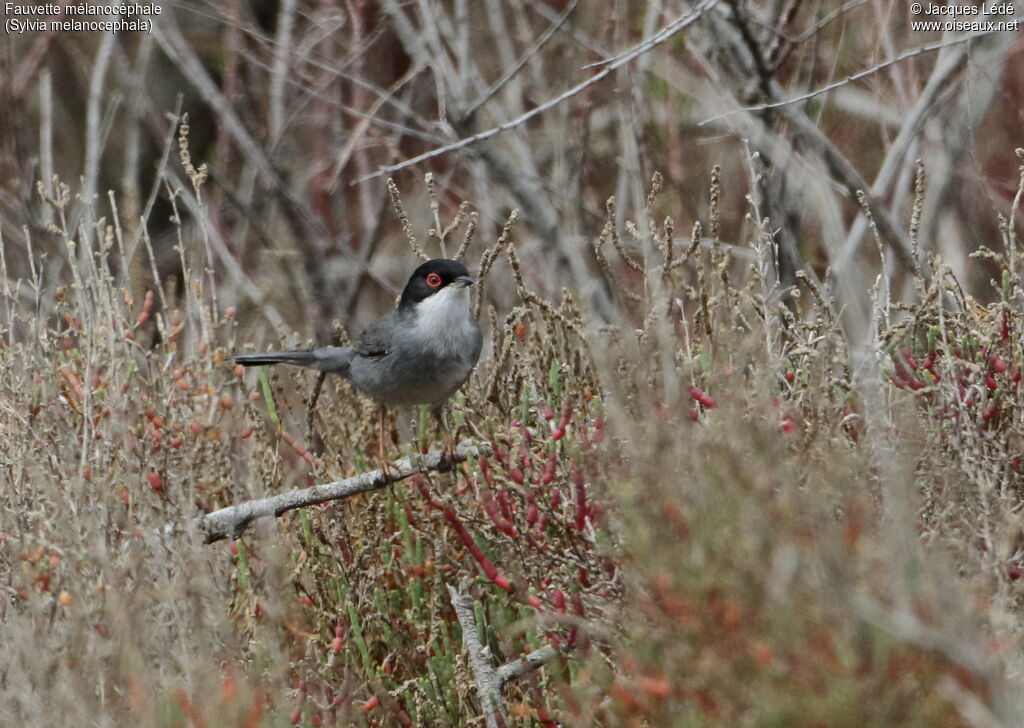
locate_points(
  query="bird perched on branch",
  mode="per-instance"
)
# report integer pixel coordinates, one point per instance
(419, 354)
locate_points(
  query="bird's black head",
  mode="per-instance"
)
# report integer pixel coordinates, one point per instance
(431, 277)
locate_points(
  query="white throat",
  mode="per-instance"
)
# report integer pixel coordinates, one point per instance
(445, 314)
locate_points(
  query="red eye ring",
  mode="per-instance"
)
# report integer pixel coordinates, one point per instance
(433, 280)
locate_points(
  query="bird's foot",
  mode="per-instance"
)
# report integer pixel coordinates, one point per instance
(385, 468)
(386, 472)
(447, 461)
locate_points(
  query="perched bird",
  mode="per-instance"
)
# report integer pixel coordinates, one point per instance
(420, 353)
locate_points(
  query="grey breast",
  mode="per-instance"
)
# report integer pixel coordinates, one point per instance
(421, 365)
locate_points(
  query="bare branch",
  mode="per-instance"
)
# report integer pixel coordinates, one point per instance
(46, 139)
(904, 624)
(231, 521)
(523, 60)
(920, 50)
(813, 139)
(848, 176)
(526, 664)
(174, 45)
(488, 681)
(825, 20)
(661, 36)
(94, 137)
(370, 117)
(939, 80)
(282, 52)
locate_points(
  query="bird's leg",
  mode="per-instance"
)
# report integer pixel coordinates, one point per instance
(448, 451)
(385, 470)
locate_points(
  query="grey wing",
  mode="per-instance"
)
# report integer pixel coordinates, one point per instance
(478, 342)
(375, 340)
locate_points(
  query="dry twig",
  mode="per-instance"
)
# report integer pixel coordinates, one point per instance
(489, 680)
(638, 50)
(231, 521)
(913, 52)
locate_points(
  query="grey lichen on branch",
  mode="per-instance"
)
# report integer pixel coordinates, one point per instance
(488, 683)
(489, 679)
(231, 521)
(526, 664)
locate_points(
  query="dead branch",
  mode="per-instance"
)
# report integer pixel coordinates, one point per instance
(742, 54)
(940, 79)
(526, 664)
(231, 521)
(488, 682)
(174, 45)
(533, 50)
(912, 53)
(638, 50)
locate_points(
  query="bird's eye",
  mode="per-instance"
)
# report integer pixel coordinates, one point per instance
(433, 280)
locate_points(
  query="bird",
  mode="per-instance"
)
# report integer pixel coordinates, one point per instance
(420, 353)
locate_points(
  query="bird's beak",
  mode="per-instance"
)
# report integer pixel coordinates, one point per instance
(465, 281)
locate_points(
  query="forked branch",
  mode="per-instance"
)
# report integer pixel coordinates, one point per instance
(489, 680)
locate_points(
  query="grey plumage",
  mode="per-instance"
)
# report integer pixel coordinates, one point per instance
(420, 353)
(333, 359)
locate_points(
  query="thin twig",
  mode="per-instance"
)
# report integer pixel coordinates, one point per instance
(920, 50)
(335, 68)
(174, 45)
(661, 36)
(523, 60)
(282, 51)
(311, 407)
(826, 19)
(410, 236)
(229, 265)
(93, 135)
(940, 79)
(358, 133)
(847, 175)
(526, 664)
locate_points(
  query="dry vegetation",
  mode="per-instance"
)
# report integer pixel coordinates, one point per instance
(745, 446)
(708, 508)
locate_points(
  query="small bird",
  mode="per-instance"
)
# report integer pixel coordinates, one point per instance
(420, 353)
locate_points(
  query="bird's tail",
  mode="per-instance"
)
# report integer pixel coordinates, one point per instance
(335, 359)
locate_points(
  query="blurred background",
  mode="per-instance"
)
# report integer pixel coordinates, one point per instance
(295, 105)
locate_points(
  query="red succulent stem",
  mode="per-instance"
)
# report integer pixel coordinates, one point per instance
(702, 397)
(490, 571)
(576, 478)
(501, 522)
(485, 468)
(563, 422)
(549, 469)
